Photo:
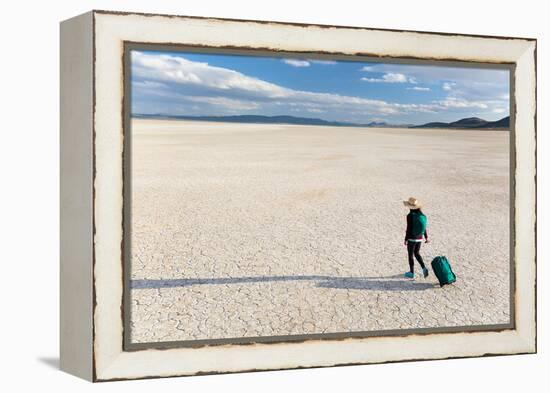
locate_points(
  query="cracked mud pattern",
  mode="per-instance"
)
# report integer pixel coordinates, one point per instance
(247, 230)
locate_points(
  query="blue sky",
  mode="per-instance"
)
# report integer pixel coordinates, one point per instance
(196, 84)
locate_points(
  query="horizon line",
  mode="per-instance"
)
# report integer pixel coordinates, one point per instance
(336, 123)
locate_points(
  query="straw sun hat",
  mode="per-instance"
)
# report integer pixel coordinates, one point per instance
(412, 203)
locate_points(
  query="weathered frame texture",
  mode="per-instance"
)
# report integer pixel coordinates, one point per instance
(92, 241)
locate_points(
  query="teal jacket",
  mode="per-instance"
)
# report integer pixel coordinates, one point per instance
(417, 224)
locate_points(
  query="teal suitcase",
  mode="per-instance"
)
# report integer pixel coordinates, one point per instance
(443, 271)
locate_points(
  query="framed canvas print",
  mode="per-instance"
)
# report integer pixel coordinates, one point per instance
(245, 195)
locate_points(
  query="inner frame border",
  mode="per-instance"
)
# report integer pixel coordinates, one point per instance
(129, 46)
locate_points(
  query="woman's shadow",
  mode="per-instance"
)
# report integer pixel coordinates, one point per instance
(390, 283)
(370, 284)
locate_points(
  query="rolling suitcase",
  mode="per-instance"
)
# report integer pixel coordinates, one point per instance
(443, 271)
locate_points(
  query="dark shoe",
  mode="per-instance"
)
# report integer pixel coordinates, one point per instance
(425, 271)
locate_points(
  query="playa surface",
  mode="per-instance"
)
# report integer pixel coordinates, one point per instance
(253, 230)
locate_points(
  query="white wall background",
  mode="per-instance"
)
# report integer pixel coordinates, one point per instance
(29, 195)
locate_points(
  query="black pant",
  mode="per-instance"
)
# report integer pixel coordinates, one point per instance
(414, 249)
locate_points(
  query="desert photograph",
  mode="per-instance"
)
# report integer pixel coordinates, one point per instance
(276, 198)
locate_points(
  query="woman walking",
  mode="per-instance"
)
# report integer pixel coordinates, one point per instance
(416, 231)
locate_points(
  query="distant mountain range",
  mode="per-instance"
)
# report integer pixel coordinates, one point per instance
(258, 119)
(468, 123)
(268, 120)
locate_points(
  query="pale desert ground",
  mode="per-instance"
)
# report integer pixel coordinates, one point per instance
(253, 230)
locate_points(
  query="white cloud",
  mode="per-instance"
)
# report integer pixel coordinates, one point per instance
(175, 80)
(417, 88)
(296, 62)
(175, 69)
(151, 88)
(367, 69)
(315, 110)
(437, 74)
(228, 103)
(231, 89)
(478, 84)
(453, 102)
(390, 77)
(387, 110)
(448, 86)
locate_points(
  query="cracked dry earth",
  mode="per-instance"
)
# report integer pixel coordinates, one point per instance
(247, 230)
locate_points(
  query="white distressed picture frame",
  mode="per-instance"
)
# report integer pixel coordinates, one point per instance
(92, 141)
